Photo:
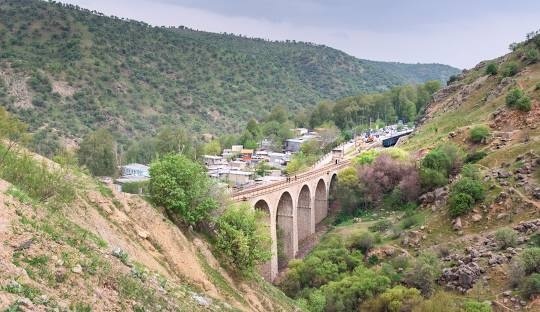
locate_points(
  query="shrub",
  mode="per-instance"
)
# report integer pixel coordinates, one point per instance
(491, 69)
(531, 260)
(505, 238)
(479, 134)
(470, 171)
(510, 69)
(135, 187)
(537, 87)
(363, 242)
(460, 203)
(367, 157)
(531, 55)
(469, 186)
(346, 294)
(475, 306)
(513, 96)
(424, 273)
(243, 238)
(531, 285)
(396, 299)
(517, 99)
(381, 226)
(181, 186)
(410, 221)
(475, 156)
(524, 104)
(437, 301)
(432, 178)
(516, 272)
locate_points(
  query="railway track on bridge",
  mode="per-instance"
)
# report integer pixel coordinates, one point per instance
(303, 177)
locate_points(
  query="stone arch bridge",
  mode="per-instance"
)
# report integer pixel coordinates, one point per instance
(293, 208)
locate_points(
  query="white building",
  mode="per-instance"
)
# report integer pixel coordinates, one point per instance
(135, 170)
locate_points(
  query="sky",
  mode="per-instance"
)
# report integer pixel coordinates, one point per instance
(460, 33)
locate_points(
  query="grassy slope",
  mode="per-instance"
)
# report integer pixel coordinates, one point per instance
(456, 112)
(160, 268)
(134, 78)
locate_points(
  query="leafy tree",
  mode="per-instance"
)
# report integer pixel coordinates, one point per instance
(212, 148)
(97, 152)
(479, 134)
(279, 114)
(492, 69)
(242, 236)
(175, 140)
(348, 190)
(181, 186)
(13, 131)
(142, 151)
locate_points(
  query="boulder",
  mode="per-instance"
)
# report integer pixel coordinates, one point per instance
(457, 224)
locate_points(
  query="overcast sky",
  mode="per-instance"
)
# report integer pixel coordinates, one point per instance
(455, 32)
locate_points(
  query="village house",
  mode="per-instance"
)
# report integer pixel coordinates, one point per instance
(135, 170)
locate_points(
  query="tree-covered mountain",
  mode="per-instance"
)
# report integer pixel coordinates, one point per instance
(70, 69)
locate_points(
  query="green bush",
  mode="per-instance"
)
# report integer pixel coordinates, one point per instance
(510, 69)
(183, 187)
(475, 306)
(363, 242)
(348, 293)
(513, 96)
(524, 104)
(531, 55)
(479, 134)
(505, 238)
(470, 171)
(437, 165)
(475, 156)
(460, 203)
(531, 285)
(491, 69)
(396, 299)
(431, 178)
(531, 260)
(469, 186)
(242, 236)
(517, 99)
(135, 187)
(423, 273)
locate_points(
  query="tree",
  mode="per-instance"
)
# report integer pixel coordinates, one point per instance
(181, 186)
(97, 152)
(212, 148)
(142, 151)
(175, 140)
(243, 237)
(12, 130)
(279, 113)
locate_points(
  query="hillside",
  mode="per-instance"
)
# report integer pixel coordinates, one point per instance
(448, 218)
(79, 246)
(60, 63)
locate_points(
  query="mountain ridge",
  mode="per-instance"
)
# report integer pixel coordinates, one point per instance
(61, 62)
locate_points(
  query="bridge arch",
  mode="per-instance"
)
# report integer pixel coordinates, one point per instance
(285, 229)
(321, 201)
(266, 268)
(304, 213)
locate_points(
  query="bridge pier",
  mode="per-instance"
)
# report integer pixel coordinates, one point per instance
(293, 211)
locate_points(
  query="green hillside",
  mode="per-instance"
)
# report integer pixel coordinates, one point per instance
(72, 70)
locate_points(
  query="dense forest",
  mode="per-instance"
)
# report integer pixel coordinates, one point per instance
(59, 62)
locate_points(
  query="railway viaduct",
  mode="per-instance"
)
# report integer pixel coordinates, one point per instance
(293, 208)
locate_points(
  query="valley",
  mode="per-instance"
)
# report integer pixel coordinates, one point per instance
(147, 168)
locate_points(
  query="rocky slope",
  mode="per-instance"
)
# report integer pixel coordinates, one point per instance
(107, 251)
